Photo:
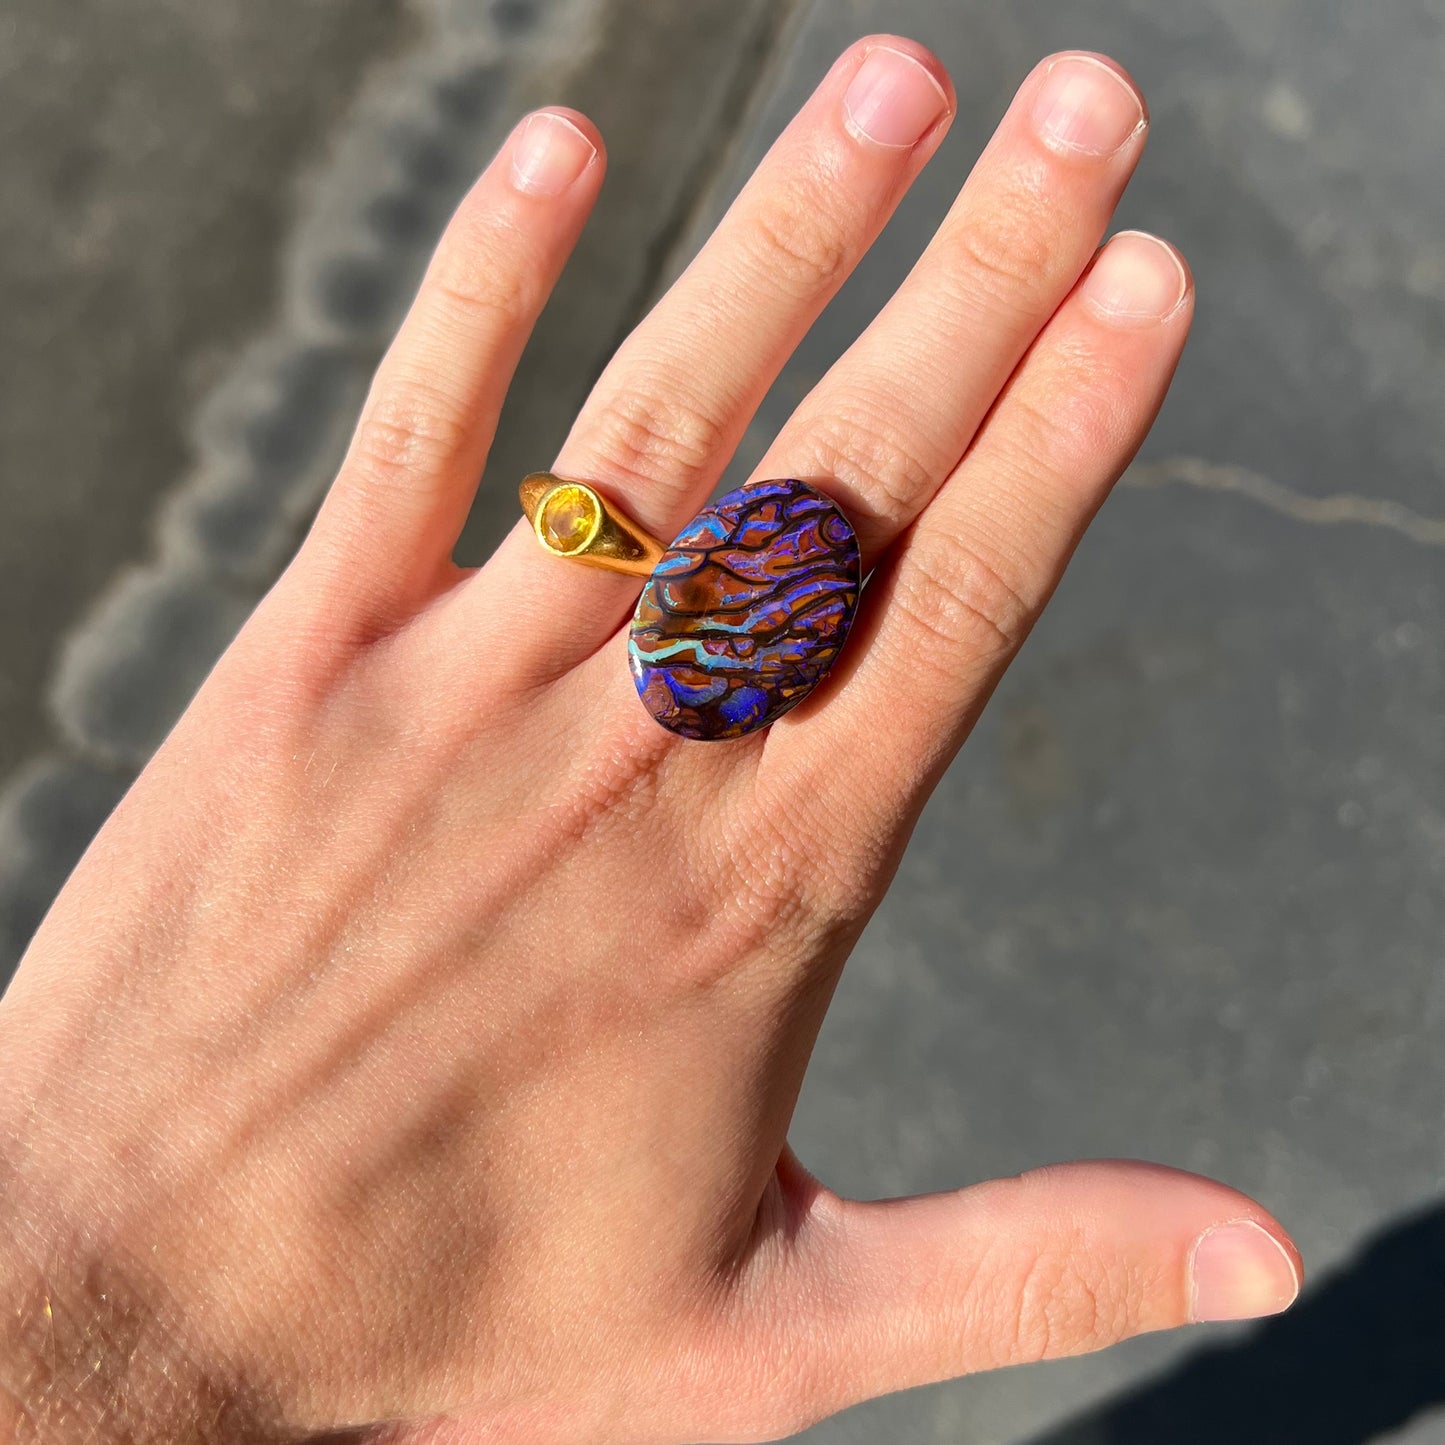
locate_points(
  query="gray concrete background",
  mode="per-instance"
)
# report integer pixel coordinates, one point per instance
(1181, 898)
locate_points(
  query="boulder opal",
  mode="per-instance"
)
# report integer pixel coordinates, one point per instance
(746, 611)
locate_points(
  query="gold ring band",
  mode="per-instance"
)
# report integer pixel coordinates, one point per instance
(572, 521)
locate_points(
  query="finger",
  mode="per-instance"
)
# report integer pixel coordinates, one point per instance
(892, 418)
(1060, 1261)
(671, 407)
(393, 516)
(965, 584)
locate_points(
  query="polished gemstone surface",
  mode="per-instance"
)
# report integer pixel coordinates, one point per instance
(568, 518)
(746, 611)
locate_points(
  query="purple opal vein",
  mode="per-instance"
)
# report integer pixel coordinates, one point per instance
(746, 612)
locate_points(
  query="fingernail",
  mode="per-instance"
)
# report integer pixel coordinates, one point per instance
(1086, 107)
(549, 154)
(893, 100)
(1239, 1271)
(1136, 278)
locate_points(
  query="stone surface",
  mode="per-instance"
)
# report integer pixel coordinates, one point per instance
(568, 518)
(746, 612)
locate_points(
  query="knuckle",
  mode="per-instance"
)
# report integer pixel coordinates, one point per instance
(855, 448)
(773, 893)
(804, 251)
(958, 599)
(843, 889)
(484, 274)
(653, 432)
(406, 435)
(1075, 410)
(770, 898)
(783, 881)
(483, 304)
(1010, 252)
(830, 855)
(1066, 1303)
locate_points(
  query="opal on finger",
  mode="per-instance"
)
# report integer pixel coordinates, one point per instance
(747, 610)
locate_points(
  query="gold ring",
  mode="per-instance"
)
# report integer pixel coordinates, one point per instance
(570, 520)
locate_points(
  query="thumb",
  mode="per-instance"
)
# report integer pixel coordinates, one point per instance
(1055, 1262)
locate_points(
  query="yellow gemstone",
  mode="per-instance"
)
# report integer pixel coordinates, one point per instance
(568, 518)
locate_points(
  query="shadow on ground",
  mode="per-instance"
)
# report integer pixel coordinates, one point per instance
(1354, 1360)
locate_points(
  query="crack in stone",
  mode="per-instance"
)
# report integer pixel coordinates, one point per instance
(1343, 508)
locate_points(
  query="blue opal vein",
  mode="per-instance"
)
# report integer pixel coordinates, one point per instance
(746, 612)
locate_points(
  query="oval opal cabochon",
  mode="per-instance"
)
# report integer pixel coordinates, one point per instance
(746, 612)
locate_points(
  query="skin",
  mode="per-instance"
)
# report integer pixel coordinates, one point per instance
(413, 1053)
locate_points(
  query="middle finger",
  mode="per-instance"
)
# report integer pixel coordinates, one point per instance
(892, 418)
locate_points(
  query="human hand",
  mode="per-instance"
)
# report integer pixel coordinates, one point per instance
(413, 1052)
